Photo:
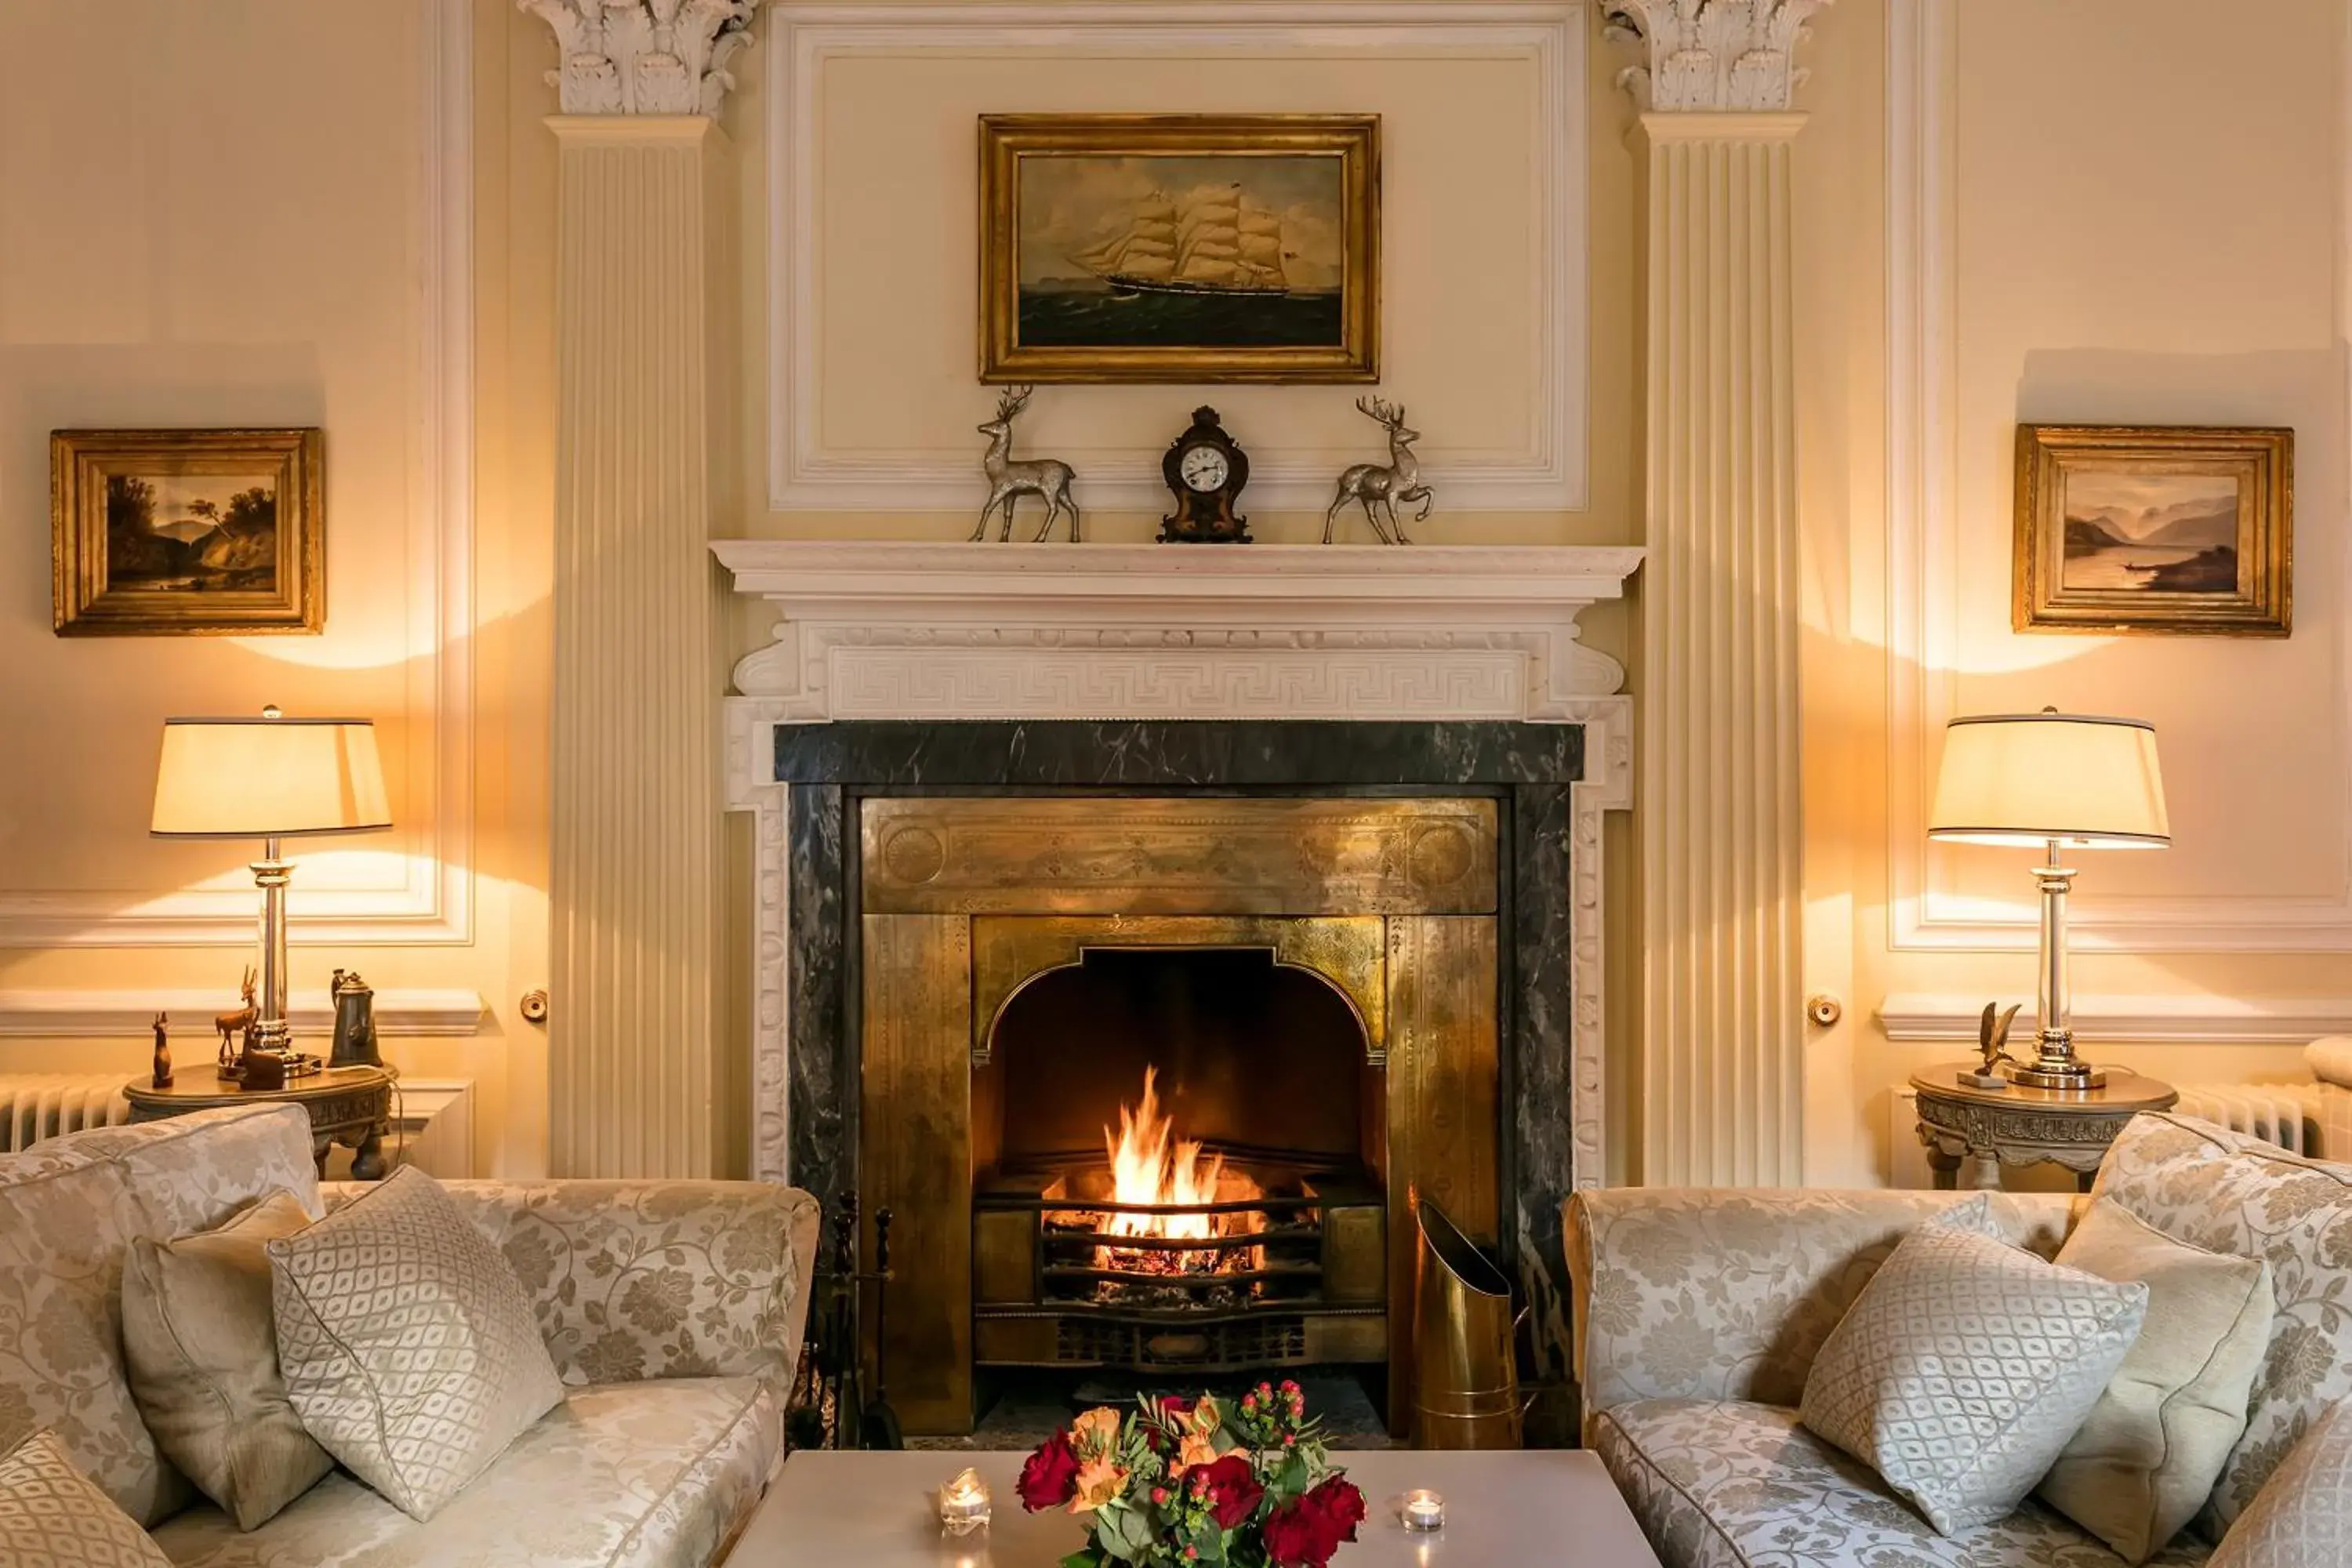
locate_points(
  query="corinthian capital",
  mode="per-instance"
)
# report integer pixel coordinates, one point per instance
(643, 56)
(1713, 55)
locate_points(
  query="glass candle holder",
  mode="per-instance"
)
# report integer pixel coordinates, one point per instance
(964, 1504)
(1424, 1510)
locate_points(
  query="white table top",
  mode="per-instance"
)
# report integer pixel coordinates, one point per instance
(1531, 1507)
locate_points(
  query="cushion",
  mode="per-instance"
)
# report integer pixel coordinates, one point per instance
(2154, 1445)
(632, 1475)
(1965, 1366)
(52, 1516)
(66, 1226)
(2303, 1517)
(407, 1347)
(201, 1346)
(2229, 1193)
(1730, 1484)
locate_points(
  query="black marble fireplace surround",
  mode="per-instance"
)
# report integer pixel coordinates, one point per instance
(1527, 768)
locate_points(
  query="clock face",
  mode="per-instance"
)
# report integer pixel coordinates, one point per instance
(1203, 468)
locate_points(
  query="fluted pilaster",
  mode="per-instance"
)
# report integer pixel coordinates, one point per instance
(635, 869)
(1722, 1023)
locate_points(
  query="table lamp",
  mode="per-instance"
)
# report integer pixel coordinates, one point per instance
(270, 778)
(2057, 781)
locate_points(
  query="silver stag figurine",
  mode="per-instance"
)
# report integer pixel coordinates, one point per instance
(1378, 489)
(1008, 481)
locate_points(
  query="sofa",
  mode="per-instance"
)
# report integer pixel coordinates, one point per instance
(673, 1311)
(1699, 1313)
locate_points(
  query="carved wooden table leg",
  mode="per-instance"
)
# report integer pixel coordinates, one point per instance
(367, 1158)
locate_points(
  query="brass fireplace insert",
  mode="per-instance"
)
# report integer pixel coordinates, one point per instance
(1311, 983)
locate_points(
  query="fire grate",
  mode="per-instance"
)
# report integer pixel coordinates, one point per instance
(1294, 1275)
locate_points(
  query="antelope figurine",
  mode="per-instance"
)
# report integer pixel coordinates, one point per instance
(1008, 481)
(232, 1025)
(1378, 489)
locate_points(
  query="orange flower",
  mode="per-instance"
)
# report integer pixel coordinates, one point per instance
(1099, 1480)
(1095, 1433)
(1194, 1446)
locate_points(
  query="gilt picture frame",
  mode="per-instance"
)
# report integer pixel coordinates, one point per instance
(2176, 529)
(1177, 248)
(187, 532)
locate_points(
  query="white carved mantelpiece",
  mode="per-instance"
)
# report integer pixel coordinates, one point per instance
(896, 631)
(643, 56)
(1713, 56)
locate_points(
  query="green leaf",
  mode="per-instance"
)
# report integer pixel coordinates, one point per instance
(1108, 1537)
(1084, 1557)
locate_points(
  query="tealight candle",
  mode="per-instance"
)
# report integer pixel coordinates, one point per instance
(1424, 1510)
(964, 1504)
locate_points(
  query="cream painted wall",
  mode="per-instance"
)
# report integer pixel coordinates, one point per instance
(255, 211)
(2144, 222)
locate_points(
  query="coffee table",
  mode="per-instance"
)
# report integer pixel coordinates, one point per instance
(1528, 1508)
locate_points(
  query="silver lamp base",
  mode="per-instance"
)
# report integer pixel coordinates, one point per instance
(2058, 1072)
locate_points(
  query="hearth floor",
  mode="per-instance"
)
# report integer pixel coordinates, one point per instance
(1032, 1411)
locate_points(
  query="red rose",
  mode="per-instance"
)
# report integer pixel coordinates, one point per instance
(1294, 1538)
(1341, 1505)
(1049, 1478)
(1307, 1532)
(1233, 1490)
(1175, 1406)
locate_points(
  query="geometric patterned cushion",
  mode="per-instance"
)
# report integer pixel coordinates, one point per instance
(1964, 1367)
(2229, 1193)
(2303, 1516)
(407, 1347)
(52, 1517)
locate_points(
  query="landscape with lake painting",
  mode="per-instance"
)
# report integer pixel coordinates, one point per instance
(1201, 251)
(2158, 532)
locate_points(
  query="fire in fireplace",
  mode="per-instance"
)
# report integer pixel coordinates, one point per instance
(1256, 1238)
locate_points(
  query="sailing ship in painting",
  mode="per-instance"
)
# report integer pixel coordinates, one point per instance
(1214, 242)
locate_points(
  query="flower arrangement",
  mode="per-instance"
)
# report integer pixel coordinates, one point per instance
(1243, 1483)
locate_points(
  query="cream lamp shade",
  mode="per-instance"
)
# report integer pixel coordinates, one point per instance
(268, 777)
(2027, 780)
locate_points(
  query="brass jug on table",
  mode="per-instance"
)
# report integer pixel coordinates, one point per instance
(1466, 1363)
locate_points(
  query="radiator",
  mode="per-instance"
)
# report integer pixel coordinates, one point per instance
(34, 1106)
(2286, 1114)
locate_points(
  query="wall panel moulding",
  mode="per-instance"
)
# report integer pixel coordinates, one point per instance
(1925, 912)
(1540, 462)
(425, 895)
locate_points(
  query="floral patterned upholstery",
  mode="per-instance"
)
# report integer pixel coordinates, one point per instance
(1731, 1484)
(640, 1475)
(683, 1301)
(642, 1279)
(1699, 1294)
(2229, 1193)
(66, 1224)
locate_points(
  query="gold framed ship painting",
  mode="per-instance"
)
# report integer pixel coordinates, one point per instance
(2167, 528)
(181, 533)
(1173, 248)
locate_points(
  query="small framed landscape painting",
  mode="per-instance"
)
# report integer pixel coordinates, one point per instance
(2160, 527)
(169, 533)
(1193, 247)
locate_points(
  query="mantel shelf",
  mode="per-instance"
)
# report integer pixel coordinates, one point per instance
(810, 576)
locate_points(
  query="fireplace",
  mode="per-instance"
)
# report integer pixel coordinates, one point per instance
(905, 670)
(1181, 1165)
(1147, 1080)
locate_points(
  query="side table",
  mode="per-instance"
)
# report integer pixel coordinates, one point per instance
(1989, 1128)
(351, 1106)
